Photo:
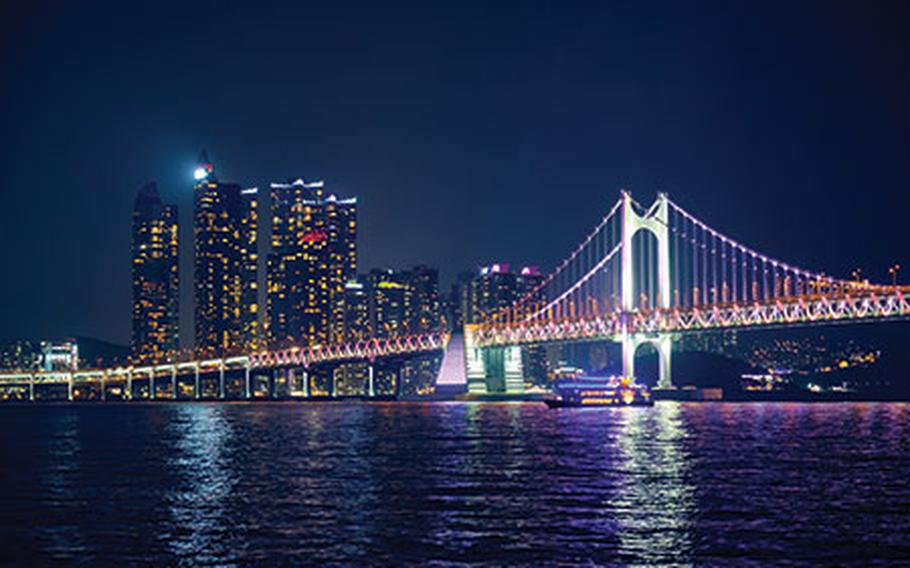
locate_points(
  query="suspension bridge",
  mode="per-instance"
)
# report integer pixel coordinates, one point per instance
(648, 274)
(644, 275)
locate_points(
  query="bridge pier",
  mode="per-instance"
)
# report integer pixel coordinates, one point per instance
(371, 390)
(663, 344)
(484, 365)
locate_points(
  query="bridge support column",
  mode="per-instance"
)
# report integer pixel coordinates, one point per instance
(514, 370)
(174, 381)
(246, 381)
(663, 344)
(629, 346)
(104, 377)
(152, 384)
(221, 380)
(31, 388)
(475, 371)
(196, 386)
(69, 387)
(371, 390)
(664, 348)
(129, 384)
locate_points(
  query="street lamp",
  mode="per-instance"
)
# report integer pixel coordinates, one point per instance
(893, 272)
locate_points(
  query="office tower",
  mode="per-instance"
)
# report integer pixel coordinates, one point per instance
(19, 355)
(357, 299)
(313, 256)
(155, 272)
(390, 305)
(250, 330)
(527, 282)
(224, 230)
(492, 290)
(496, 288)
(60, 355)
(457, 301)
(425, 312)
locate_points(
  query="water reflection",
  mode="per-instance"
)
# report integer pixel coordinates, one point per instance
(459, 484)
(204, 483)
(61, 484)
(656, 500)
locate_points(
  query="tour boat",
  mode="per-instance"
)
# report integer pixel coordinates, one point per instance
(599, 391)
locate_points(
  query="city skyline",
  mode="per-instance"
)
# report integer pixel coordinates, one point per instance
(512, 283)
(456, 162)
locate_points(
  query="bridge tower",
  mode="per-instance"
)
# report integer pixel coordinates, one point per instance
(656, 221)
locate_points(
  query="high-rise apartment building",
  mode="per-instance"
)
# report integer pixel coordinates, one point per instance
(225, 236)
(313, 256)
(391, 309)
(155, 272)
(497, 288)
(426, 312)
(357, 300)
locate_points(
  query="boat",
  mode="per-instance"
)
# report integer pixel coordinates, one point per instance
(599, 391)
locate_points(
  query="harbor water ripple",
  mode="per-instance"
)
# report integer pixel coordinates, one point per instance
(397, 484)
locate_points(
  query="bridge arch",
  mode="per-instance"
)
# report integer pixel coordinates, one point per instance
(663, 344)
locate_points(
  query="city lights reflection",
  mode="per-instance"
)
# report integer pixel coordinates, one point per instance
(205, 481)
(656, 496)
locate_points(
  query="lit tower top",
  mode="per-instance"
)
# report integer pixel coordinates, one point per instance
(203, 167)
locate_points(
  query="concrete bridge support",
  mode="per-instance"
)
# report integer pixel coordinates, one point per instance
(488, 365)
(663, 344)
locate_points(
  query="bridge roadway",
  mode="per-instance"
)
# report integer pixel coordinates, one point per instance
(861, 304)
(142, 382)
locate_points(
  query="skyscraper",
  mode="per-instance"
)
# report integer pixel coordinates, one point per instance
(313, 257)
(250, 326)
(224, 229)
(497, 288)
(357, 298)
(391, 304)
(156, 284)
(426, 312)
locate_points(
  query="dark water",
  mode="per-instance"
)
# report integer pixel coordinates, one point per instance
(416, 484)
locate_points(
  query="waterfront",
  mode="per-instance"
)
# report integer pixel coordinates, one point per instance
(359, 483)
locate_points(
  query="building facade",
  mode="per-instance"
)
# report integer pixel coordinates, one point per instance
(60, 355)
(496, 288)
(155, 275)
(357, 301)
(391, 308)
(427, 313)
(313, 256)
(225, 265)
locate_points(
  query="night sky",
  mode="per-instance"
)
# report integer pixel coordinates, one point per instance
(471, 132)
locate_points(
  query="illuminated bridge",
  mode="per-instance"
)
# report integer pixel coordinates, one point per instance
(267, 374)
(646, 275)
(642, 276)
